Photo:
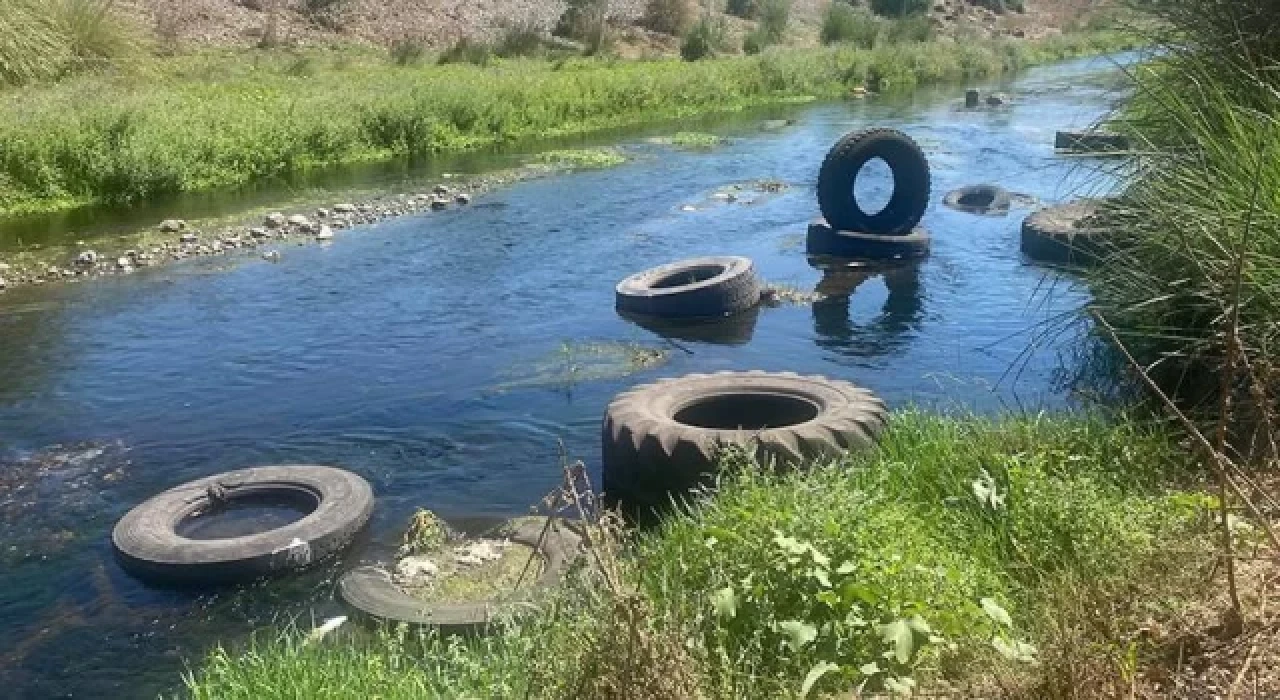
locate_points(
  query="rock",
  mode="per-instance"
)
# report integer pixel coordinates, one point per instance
(340, 223)
(188, 238)
(271, 256)
(326, 234)
(996, 100)
(53, 271)
(364, 208)
(480, 552)
(4, 267)
(345, 208)
(258, 232)
(172, 225)
(971, 98)
(87, 258)
(416, 570)
(858, 92)
(2, 283)
(299, 220)
(322, 213)
(274, 220)
(438, 204)
(123, 263)
(462, 198)
(440, 189)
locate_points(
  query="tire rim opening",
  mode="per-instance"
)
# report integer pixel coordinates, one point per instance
(979, 200)
(873, 186)
(247, 514)
(687, 276)
(746, 412)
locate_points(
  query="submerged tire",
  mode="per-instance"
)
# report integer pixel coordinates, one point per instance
(371, 592)
(148, 545)
(986, 200)
(824, 240)
(660, 440)
(1062, 234)
(710, 287)
(840, 170)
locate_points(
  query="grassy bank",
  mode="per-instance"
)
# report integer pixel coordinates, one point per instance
(220, 119)
(1011, 558)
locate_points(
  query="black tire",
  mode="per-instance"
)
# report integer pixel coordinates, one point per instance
(1061, 234)
(826, 241)
(737, 329)
(1101, 142)
(148, 545)
(371, 592)
(910, 183)
(660, 440)
(711, 287)
(984, 200)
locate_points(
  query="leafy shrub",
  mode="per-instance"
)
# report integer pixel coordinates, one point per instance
(910, 29)
(842, 23)
(899, 8)
(746, 9)
(705, 40)
(669, 16)
(466, 50)
(408, 51)
(520, 39)
(774, 17)
(582, 19)
(326, 13)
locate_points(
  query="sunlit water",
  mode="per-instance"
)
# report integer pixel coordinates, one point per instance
(422, 353)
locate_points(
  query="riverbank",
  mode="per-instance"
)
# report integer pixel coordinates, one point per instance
(1021, 557)
(221, 119)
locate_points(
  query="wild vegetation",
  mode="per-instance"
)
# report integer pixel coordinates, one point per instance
(946, 553)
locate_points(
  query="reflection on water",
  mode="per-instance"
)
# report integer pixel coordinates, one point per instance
(731, 330)
(888, 330)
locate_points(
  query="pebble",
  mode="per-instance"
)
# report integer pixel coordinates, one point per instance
(463, 198)
(996, 100)
(274, 220)
(124, 263)
(299, 220)
(345, 208)
(326, 234)
(271, 256)
(4, 267)
(172, 225)
(258, 232)
(1, 283)
(87, 258)
(440, 189)
(322, 213)
(439, 204)
(188, 238)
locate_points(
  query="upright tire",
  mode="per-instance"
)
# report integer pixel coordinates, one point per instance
(660, 440)
(840, 170)
(823, 240)
(148, 545)
(710, 287)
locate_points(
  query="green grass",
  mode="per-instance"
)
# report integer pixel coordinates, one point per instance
(217, 119)
(947, 552)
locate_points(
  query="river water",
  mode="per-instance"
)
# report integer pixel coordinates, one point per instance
(444, 356)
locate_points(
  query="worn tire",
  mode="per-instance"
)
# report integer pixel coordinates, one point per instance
(660, 439)
(824, 240)
(711, 287)
(984, 200)
(148, 546)
(1061, 234)
(840, 170)
(371, 592)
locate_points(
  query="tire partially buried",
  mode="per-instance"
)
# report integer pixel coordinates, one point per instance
(661, 439)
(371, 592)
(825, 240)
(711, 287)
(840, 170)
(985, 200)
(1064, 234)
(337, 504)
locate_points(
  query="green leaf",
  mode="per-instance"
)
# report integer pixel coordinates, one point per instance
(857, 591)
(995, 612)
(900, 686)
(725, 603)
(816, 673)
(799, 634)
(820, 575)
(847, 568)
(919, 626)
(828, 598)
(870, 669)
(901, 638)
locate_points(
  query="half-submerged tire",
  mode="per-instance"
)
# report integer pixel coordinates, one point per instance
(827, 241)
(985, 200)
(710, 287)
(148, 545)
(371, 592)
(660, 440)
(1101, 142)
(840, 170)
(1063, 234)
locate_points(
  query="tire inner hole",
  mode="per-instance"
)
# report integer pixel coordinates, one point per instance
(873, 186)
(976, 199)
(246, 514)
(746, 412)
(691, 275)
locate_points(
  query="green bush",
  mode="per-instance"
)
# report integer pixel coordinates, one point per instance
(842, 23)
(467, 50)
(47, 40)
(407, 51)
(911, 29)
(519, 39)
(746, 9)
(673, 17)
(899, 8)
(704, 40)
